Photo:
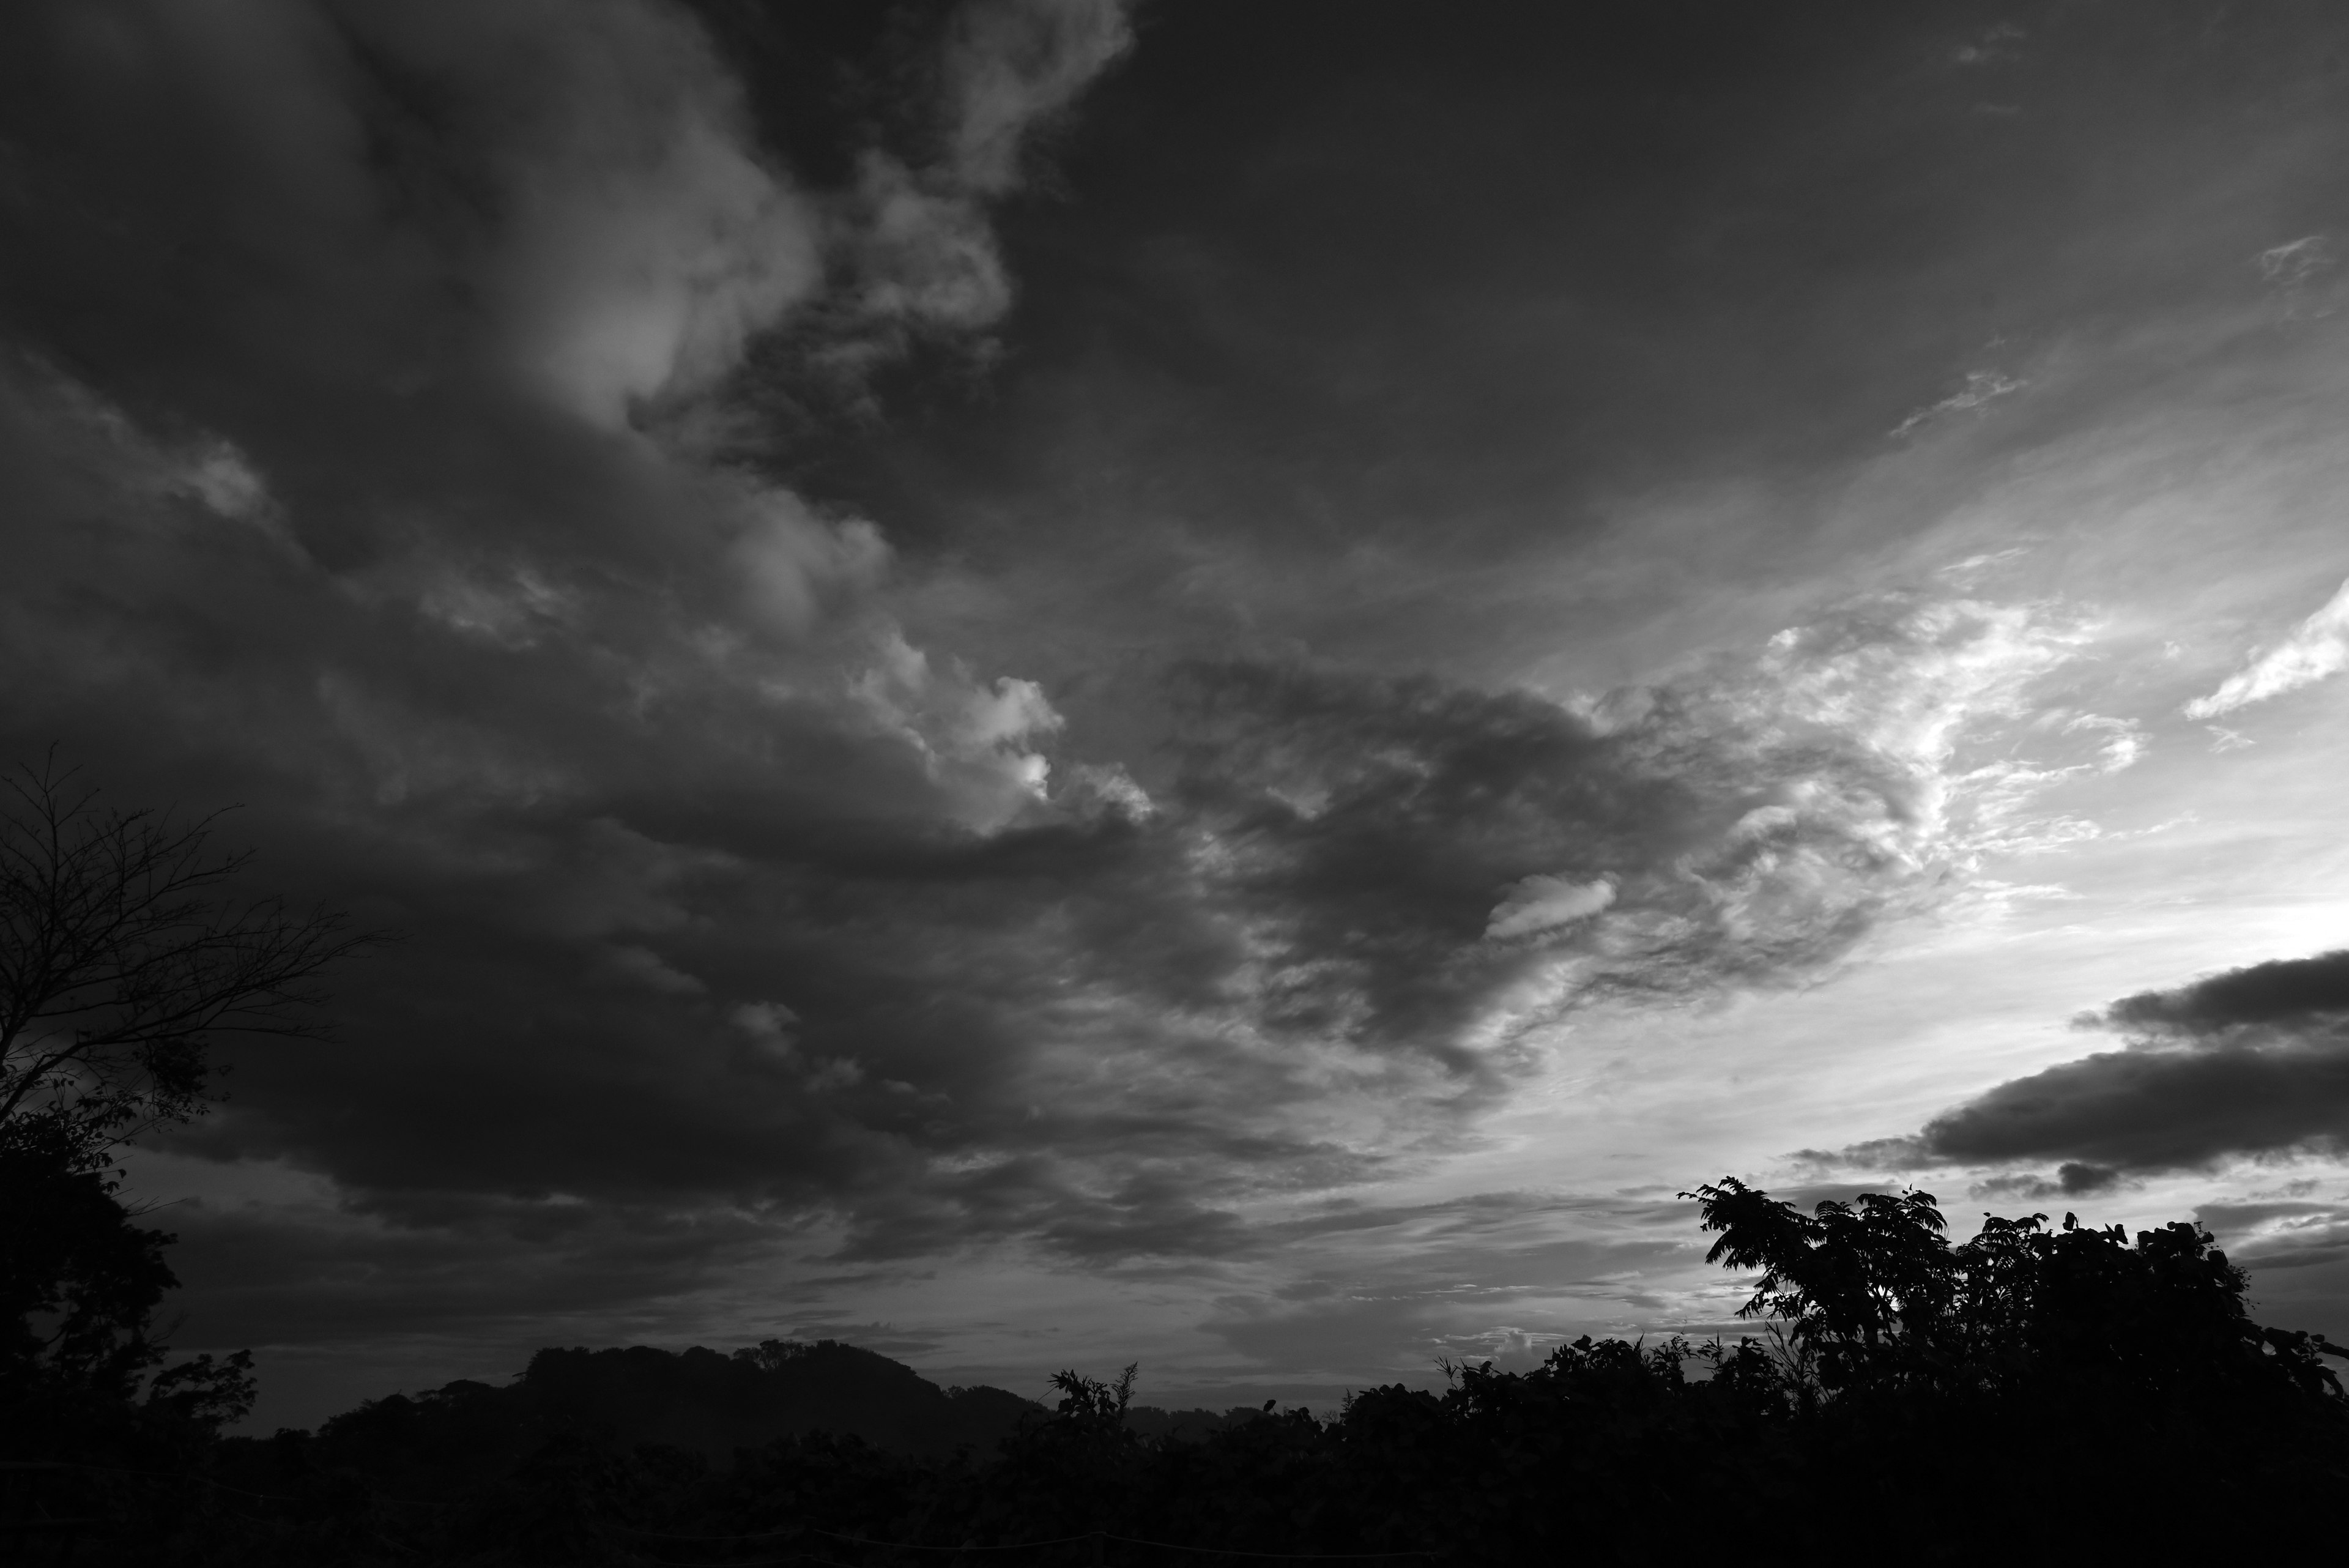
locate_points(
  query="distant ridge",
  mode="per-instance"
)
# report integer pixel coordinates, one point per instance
(698, 1399)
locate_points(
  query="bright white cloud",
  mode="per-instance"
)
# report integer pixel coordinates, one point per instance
(1942, 690)
(977, 741)
(1940, 698)
(1093, 789)
(2317, 647)
(1544, 903)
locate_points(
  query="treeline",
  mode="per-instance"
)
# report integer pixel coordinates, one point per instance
(2037, 1393)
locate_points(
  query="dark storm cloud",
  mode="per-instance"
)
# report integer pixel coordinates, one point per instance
(1372, 329)
(1407, 848)
(2287, 992)
(1103, 1032)
(353, 434)
(2296, 1247)
(2281, 1233)
(293, 1275)
(356, 446)
(2072, 1180)
(2252, 1062)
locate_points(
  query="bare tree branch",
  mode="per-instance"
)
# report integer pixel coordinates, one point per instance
(123, 952)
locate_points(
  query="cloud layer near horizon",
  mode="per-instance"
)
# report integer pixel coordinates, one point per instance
(2250, 1063)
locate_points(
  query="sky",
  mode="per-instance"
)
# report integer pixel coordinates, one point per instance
(1046, 684)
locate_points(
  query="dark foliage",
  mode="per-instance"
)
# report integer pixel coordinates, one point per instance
(124, 952)
(83, 1406)
(79, 1280)
(2035, 1395)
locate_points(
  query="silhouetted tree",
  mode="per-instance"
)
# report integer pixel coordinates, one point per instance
(1875, 1293)
(124, 952)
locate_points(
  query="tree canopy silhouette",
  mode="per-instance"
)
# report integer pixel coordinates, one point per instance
(1872, 1296)
(125, 951)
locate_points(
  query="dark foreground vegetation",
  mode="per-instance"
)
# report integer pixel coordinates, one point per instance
(2035, 1394)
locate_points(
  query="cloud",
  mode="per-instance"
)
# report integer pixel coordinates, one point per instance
(647, 240)
(977, 741)
(517, 1273)
(2250, 1063)
(2282, 1236)
(924, 250)
(2072, 1180)
(199, 466)
(1744, 821)
(893, 988)
(644, 966)
(2316, 649)
(2292, 272)
(360, 470)
(2287, 992)
(1995, 43)
(794, 564)
(494, 652)
(644, 240)
(1012, 65)
(1543, 903)
(1499, 1275)
(1981, 388)
(2296, 261)
(1351, 832)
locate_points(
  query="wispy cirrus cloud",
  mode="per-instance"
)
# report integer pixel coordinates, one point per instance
(1981, 388)
(2294, 272)
(2314, 651)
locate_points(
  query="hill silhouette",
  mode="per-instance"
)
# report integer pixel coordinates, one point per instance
(696, 1399)
(700, 1400)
